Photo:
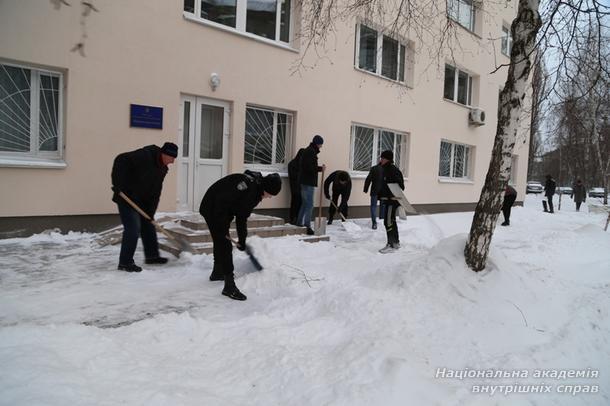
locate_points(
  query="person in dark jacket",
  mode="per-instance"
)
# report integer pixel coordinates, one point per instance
(579, 194)
(391, 174)
(234, 196)
(374, 180)
(139, 175)
(342, 186)
(549, 192)
(295, 187)
(510, 195)
(308, 179)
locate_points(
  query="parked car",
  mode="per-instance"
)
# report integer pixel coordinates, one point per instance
(596, 192)
(564, 190)
(534, 187)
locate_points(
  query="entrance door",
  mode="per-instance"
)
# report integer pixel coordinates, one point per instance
(203, 161)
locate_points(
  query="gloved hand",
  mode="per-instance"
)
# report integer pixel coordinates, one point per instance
(241, 245)
(327, 196)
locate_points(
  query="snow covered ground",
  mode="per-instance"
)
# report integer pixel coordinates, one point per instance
(331, 323)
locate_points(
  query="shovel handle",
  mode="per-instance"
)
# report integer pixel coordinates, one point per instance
(135, 206)
(339, 211)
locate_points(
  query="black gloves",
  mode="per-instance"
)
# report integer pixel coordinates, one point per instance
(241, 245)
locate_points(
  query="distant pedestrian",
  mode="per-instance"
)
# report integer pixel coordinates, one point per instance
(510, 195)
(308, 179)
(295, 187)
(579, 194)
(234, 196)
(389, 203)
(374, 179)
(549, 192)
(139, 175)
(342, 186)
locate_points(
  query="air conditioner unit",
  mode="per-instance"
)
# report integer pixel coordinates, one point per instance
(476, 117)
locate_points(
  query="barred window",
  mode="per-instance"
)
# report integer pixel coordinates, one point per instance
(454, 160)
(30, 113)
(268, 136)
(368, 143)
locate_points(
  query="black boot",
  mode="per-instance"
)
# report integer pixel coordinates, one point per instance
(129, 268)
(232, 292)
(310, 231)
(156, 260)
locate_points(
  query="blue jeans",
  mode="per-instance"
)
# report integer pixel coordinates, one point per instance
(304, 218)
(374, 209)
(135, 226)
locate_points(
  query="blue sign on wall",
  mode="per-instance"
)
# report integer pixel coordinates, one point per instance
(146, 116)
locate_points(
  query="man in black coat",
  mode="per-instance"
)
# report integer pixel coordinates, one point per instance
(139, 175)
(308, 179)
(295, 187)
(234, 196)
(342, 186)
(391, 174)
(510, 195)
(549, 191)
(374, 180)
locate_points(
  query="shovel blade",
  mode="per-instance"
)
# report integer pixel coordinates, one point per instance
(320, 226)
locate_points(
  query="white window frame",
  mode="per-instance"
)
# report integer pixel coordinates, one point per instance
(507, 41)
(469, 162)
(473, 10)
(273, 166)
(35, 157)
(375, 153)
(379, 54)
(241, 18)
(469, 86)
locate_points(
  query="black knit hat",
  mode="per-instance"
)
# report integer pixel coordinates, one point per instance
(318, 140)
(387, 154)
(272, 184)
(169, 148)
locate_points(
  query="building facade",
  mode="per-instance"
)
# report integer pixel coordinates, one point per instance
(235, 86)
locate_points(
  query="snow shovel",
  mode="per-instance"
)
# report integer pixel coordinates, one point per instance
(248, 250)
(320, 222)
(347, 225)
(179, 243)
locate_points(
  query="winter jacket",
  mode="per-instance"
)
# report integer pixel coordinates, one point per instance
(139, 174)
(391, 174)
(374, 179)
(293, 172)
(510, 191)
(234, 196)
(549, 187)
(579, 194)
(308, 169)
(338, 189)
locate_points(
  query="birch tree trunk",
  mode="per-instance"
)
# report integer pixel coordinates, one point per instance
(524, 31)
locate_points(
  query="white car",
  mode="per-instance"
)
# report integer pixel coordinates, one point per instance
(534, 187)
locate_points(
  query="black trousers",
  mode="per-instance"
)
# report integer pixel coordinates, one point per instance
(507, 205)
(389, 220)
(295, 205)
(578, 203)
(223, 255)
(342, 208)
(550, 200)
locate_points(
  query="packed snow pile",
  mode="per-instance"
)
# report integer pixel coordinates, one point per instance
(331, 323)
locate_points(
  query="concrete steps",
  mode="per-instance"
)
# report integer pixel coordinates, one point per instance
(193, 228)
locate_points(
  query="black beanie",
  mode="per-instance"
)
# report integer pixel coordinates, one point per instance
(272, 184)
(169, 148)
(318, 140)
(387, 154)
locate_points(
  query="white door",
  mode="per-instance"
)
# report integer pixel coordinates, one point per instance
(205, 132)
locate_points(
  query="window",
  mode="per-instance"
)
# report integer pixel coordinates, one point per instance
(264, 18)
(507, 40)
(462, 12)
(30, 113)
(458, 86)
(368, 143)
(380, 54)
(454, 160)
(268, 136)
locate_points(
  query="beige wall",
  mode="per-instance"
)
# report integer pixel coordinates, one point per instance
(146, 52)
